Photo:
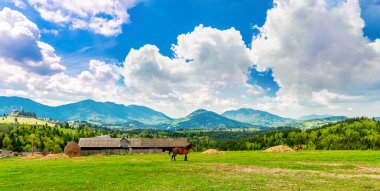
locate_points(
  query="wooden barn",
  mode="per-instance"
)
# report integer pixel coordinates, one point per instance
(103, 144)
(106, 144)
(154, 145)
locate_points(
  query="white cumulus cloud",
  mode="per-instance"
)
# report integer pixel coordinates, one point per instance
(104, 17)
(20, 44)
(209, 70)
(318, 53)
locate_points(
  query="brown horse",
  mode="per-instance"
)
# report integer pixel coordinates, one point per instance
(182, 151)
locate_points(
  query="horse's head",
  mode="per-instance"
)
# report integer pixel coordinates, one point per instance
(193, 147)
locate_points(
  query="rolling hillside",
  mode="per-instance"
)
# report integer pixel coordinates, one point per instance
(314, 116)
(24, 120)
(257, 117)
(134, 116)
(203, 119)
(314, 123)
(88, 110)
(350, 134)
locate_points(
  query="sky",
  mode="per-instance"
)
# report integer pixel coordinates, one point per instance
(288, 57)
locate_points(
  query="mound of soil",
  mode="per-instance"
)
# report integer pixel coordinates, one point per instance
(34, 156)
(56, 156)
(212, 151)
(49, 156)
(279, 148)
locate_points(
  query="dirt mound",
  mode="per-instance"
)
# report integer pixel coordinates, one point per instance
(56, 156)
(34, 156)
(279, 148)
(49, 156)
(212, 151)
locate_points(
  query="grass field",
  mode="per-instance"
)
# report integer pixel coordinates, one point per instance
(24, 120)
(250, 170)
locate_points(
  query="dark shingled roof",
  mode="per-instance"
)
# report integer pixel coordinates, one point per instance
(106, 141)
(103, 141)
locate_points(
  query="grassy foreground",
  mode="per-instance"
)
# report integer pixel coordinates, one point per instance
(248, 170)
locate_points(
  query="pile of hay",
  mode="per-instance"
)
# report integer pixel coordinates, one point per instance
(34, 156)
(279, 148)
(72, 149)
(49, 156)
(212, 151)
(56, 156)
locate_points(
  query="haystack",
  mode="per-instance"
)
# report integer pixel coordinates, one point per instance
(212, 151)
(279, 148)
(72, 149)
(57, 156)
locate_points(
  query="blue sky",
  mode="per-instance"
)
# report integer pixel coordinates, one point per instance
(158, 23)
(79, 41)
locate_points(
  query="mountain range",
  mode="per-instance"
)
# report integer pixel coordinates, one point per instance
(314, 116)
(203, 119)
(317, 122)
(88, 110)
(134, 116)
(257, 117)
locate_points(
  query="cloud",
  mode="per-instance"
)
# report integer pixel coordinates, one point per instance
(104, 17)
(18, 3)
(51, 31)
(317, 52)
(98, 82)
(209, 70)
(215, 56)
(20, 44)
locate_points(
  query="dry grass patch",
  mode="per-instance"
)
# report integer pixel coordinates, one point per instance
(279, 148)
(212, 151)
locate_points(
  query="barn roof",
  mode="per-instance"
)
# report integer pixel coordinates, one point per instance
(102, 141)
(157, 142)
(105, 141)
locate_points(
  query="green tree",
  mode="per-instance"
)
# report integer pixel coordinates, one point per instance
(7, 143)
(57, 149)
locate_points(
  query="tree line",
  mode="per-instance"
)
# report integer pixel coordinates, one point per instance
(351, 134)
(42, 138)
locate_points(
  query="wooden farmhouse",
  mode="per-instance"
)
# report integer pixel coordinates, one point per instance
(108, 145)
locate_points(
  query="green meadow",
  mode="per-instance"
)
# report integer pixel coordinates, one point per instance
(24, 120)
(235, 170)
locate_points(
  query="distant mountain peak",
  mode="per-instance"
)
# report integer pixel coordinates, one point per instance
(257, 117)
(203, 119)
(199, 111)
(315, 116)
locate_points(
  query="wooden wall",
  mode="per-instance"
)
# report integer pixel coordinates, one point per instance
(145, 150)
(102, 151)
(89, 151)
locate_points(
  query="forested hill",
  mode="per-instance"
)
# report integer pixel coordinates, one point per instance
(87, 110)
(351, 134)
